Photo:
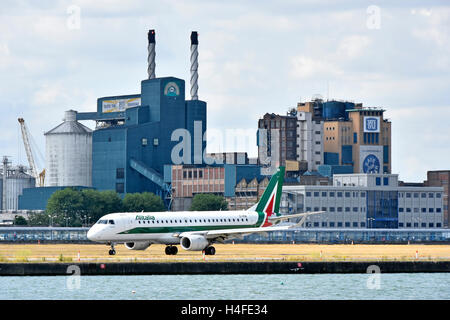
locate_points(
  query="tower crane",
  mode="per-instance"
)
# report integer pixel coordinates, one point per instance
(26, 141)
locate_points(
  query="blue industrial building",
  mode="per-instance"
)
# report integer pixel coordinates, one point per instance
(130, 152)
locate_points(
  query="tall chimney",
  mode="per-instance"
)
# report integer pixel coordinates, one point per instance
(151, 54)
(194, 65)
(5, 170)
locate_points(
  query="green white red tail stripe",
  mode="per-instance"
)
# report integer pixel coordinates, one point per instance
(269, 204)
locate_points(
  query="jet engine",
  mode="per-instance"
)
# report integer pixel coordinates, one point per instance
(141, 245)
(194, 243)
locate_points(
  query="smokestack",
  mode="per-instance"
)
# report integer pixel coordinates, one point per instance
(194, 65)
(151, 54)
(5, 170)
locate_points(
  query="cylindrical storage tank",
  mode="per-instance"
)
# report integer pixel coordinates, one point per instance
(68, 155)
(16, 181)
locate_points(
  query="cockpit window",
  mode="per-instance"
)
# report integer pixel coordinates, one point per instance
(111, 222)
(102, 221)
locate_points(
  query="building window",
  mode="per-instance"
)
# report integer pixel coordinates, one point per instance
(438, 210)
(378, 181)
(120, 187)
(331, 194)
(200, 174)
(308, 194)
(324, 224)
(430, 195)
(324, 194)
(190, 174)
(120, 173)
(400, 209)
(363, 224)
(400, 224)
(316, 194)
(438, 195)
(332, 224)
(184, 174)
(423, 195)
(339, 224)
(424, 210)
(355, 224)
(347, 224)
(355, 209)
(385, 181)
(339, 194)
(339, 209)
(416, 195)
(431, 210)
(408, 195)
(424, 224)
(347, 194)
(347, 209)
(332, 209)
(195, 174)
(431, 225)
(363, 194)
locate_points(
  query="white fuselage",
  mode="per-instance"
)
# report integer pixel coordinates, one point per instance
(164, 227)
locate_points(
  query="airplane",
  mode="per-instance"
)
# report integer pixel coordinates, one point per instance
(194, 230)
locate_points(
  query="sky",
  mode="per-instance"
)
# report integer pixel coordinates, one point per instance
(254, 57)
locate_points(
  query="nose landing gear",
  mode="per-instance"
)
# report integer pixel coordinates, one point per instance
(112, 251)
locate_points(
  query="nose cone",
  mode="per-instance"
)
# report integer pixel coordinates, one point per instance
(93, 234)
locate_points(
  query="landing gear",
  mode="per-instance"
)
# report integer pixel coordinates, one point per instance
(210, 251)
(112, 251)
(171, 250)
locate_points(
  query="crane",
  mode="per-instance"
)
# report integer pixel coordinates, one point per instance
(26, 141)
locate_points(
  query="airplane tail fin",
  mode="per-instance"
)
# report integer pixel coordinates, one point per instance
(270, 200)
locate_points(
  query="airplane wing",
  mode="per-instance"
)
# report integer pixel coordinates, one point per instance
(223, 234)
(296, 215)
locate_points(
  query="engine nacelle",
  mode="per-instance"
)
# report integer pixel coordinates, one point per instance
(194, 243)
(141, 245)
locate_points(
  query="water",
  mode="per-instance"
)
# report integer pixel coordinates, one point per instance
(230, 287)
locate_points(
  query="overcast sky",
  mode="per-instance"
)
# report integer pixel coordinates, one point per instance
(254, 57)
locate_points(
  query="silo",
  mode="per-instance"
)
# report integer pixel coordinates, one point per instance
(68, 155)
(16, 181)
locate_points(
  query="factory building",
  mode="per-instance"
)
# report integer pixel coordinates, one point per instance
(14, 180)
(332, 137)
(241, 185)
(276, 140)
(366, 200)
(441, 178)
(138, 135)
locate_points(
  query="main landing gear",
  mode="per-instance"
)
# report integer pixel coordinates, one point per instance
(112, 251)
(209, 251)
(171, 250)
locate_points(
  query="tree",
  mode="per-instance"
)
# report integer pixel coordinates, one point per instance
(146, 201)
(98, 203)
(20, 221)
(39, 219)
(208, 202)
(68, 207)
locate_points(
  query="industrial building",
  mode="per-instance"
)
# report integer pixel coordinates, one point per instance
(138, 137)
(333, 137)
(13, 181)
(241, 185)
(366, 200)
